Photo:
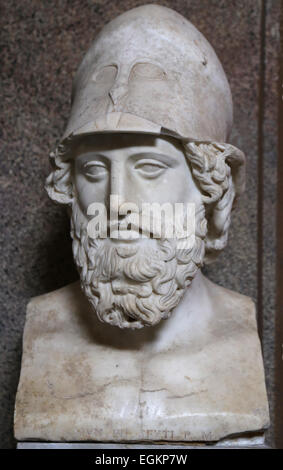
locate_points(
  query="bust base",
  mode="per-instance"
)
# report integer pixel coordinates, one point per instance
(82, 380)
(255, 442)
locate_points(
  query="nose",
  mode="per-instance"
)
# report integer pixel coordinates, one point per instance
(120, 183)
(117, 179)
(117, 93)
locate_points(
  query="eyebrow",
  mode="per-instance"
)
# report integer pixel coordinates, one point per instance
(149, 154)
(169, 157)
(88, 156)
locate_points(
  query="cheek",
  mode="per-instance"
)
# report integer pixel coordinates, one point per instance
(176, 185)
(186, 189)
(88, 192)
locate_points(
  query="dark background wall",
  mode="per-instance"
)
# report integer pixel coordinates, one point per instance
(42, 45)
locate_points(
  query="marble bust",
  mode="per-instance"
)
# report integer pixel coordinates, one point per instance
(145, 348)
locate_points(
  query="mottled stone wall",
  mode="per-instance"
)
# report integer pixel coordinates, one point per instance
(43, 43)
(268, 183)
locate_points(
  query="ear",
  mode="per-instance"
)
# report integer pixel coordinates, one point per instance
(219, 172)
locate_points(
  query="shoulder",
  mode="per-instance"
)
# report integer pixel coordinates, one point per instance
(59, 297)
(235, 310)
(56, 307)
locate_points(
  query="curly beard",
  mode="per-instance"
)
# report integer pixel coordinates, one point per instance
(137, 284)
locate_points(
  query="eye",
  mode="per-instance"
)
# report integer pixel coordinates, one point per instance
(95, 170)
(150, 168)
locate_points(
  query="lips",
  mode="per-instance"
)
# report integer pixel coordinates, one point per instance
(124, 234)
(127, 230)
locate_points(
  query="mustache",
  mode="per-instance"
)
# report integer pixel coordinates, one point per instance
(128, 225)
(149, 226)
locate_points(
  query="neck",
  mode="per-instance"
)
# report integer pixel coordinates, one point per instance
(189, 320)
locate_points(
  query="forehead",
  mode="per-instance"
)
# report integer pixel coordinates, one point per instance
(130, 143)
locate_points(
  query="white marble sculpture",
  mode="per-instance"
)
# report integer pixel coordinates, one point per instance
(148, 348)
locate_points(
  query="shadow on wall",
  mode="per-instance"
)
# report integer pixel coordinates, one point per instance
(41, 261)
(54, 258)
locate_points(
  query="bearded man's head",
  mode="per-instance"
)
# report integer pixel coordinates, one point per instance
(148, 124)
